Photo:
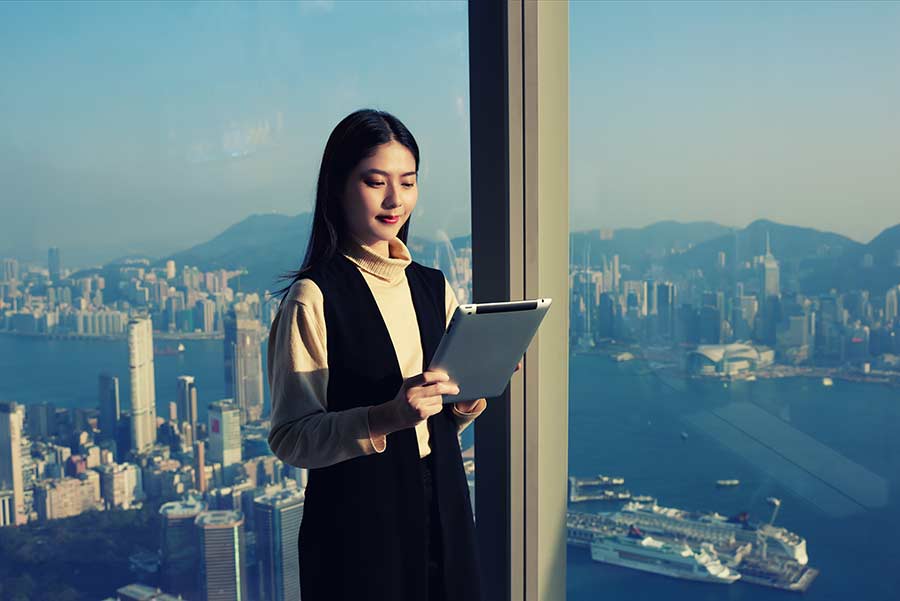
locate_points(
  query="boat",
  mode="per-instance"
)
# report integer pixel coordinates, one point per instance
(610, 480)
(712, 527)
(165, 350)
(640, 551)
(732, 482)
(180, 347)
(643, 498)
(827, 382)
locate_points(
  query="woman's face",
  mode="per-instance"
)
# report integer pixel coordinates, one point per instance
(383, 184)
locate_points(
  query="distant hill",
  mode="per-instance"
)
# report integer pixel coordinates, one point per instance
(640, 247)
(266, 245)
(270, 244)
(812, 261)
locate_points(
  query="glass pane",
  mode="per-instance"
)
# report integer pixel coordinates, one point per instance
(735, 265)
(161, 159)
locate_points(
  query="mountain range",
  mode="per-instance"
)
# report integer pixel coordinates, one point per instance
(267, 245)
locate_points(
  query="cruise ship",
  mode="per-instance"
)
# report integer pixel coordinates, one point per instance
(639, 551)
(712, 527)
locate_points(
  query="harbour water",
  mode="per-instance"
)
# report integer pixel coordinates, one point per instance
(627, 421)
(624, 421)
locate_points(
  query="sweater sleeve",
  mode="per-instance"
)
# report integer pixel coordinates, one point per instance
(303, 432)
(463, 419)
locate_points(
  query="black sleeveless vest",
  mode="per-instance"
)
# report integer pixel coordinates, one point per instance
(362, 536)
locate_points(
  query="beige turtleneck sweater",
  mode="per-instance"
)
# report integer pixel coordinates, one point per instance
(303, 432)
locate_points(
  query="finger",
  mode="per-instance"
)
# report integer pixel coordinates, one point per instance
(434, 375)
(440, 388)
(435, 401)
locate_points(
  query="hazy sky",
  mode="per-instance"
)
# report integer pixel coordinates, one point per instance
(149, 127)
(735, 111)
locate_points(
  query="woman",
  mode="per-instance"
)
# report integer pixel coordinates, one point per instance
(387, 513)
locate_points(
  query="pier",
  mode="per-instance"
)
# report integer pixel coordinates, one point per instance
(600, 489)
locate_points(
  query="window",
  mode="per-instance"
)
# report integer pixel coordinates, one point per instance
(734, 321)
(161, 159)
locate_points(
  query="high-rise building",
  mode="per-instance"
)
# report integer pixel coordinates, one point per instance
(892, 304)
(205, 315)
(186, 400)
(121, 485)
(223, 555)
(170, 269)
(179, 549)
(143, 388)
(9, 270)
(40, 420)
(67, 497)
(11, 423)
(200, 465)
(665, 307)
(769, 274)
(108, 393)
(243, 363)
(7, 508)
(54, 264)
(224, 433)
(276, 521)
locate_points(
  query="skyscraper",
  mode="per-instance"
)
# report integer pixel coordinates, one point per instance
(54, 265)
(179, 549)
(224, 434)
(186, 400)
(769, 274)
(665, 307)
(277, 520)
(769, 290)
(243, 363)
(143, 388)
(200, 465)
(108, 395)
(223, 555)
(11, 458)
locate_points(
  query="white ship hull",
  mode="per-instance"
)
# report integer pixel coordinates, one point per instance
(686, 565)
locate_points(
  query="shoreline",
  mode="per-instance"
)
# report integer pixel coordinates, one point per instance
(113, 338)
(774, 372)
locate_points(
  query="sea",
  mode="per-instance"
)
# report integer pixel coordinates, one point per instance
(832, 454)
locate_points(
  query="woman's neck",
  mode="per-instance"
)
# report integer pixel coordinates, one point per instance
(376, 245)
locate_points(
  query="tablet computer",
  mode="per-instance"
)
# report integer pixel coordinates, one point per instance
(484, 342)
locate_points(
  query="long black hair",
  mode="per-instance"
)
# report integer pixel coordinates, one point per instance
(355, 138)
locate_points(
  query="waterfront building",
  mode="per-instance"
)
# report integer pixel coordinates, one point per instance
(108, 393)
(186, 400)
(143, 388)
(243, 363)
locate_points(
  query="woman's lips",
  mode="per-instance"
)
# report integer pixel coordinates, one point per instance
(389, 219)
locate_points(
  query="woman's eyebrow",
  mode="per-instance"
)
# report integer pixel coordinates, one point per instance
(385, 173)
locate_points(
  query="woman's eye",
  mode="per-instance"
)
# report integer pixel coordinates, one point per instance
(407, 185)
(374, 184)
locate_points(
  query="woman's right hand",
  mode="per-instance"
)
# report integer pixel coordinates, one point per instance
(420, 397)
